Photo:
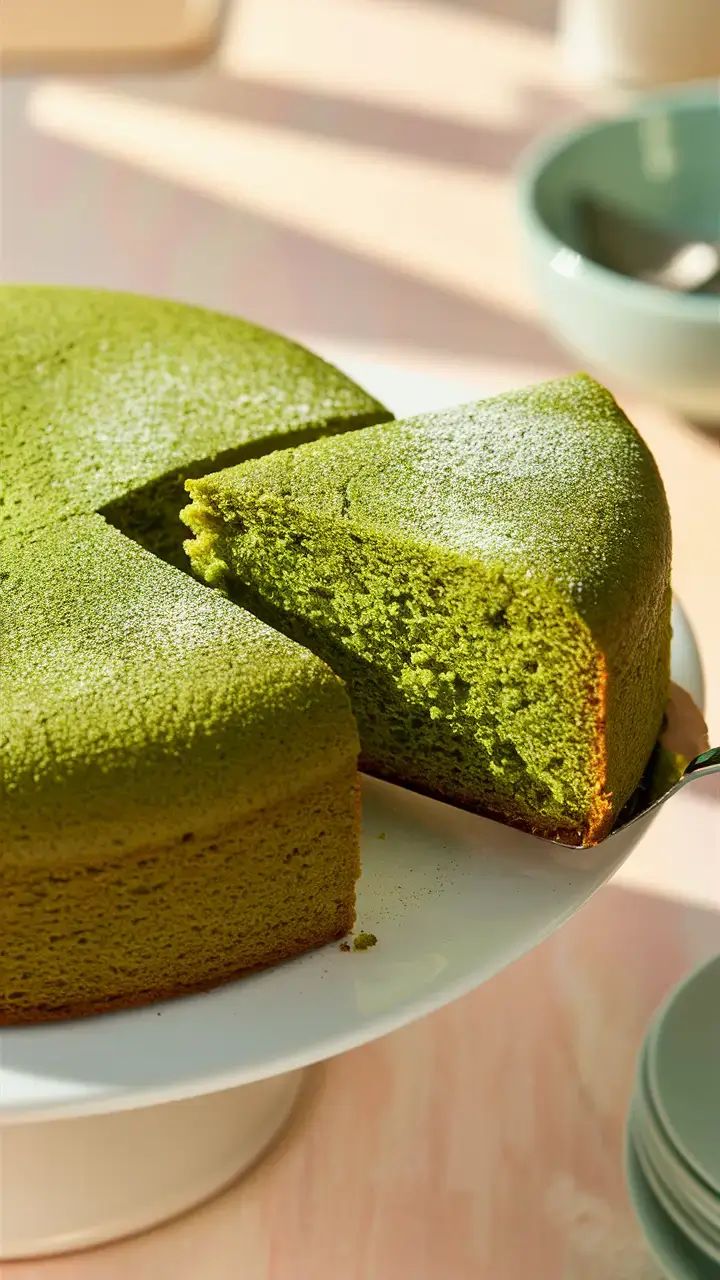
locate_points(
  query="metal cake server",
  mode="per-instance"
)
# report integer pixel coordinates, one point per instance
(645, 799)
(700, 767)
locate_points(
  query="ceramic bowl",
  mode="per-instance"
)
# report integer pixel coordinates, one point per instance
(659, 165)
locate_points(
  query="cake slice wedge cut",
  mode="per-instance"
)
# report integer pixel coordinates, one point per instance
(492, 582)
(110, 400)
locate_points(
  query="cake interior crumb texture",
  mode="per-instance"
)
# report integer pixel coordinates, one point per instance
(491, 582)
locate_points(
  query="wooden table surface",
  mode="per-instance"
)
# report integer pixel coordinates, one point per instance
(344, 172)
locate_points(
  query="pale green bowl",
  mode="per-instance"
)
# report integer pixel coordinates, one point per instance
(659, 163)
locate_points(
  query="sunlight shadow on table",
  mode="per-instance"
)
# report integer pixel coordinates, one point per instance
(302, 238)
(392, 127)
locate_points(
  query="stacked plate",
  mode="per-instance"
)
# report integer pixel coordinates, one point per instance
(673, 1147)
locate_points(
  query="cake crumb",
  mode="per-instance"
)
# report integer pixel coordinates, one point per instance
(380, 835)
(362, 941)
(345, 946)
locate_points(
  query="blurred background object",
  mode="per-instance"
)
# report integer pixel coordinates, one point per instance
(93, 34)
(639, 43)
(657, 255)
(622, 223)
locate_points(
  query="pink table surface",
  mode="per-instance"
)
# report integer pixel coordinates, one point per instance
(344, 171)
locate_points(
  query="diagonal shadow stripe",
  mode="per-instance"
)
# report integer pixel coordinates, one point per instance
(115, 226)
(390, 128)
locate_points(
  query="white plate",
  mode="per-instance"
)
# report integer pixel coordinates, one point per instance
(452, 897)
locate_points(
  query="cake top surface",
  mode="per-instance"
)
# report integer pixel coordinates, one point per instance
(117, 670)
(134, 703)
(104, 393)
(552, 483)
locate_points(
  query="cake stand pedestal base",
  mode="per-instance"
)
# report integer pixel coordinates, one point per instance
(72, 1183)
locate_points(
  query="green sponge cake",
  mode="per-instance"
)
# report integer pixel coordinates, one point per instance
(178, 775)
(178, 794)
(110, 401)
(180, 782)
(491, 582)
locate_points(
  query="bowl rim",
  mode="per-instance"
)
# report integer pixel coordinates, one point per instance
(573, 263)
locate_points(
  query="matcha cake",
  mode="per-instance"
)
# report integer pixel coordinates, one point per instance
(491, 582)
(111, 400)
(178, 775)
(178, 782)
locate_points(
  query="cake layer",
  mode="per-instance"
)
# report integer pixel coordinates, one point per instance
(131, 927)
(492, 582)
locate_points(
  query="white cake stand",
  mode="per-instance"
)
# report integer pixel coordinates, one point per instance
(111, 1124)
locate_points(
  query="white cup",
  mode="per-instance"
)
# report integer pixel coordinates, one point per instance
(638, 43)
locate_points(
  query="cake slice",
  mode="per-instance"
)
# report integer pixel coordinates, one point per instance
(492, 583)
(178, 783)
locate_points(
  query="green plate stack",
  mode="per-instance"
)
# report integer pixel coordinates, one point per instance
(673, 1135)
